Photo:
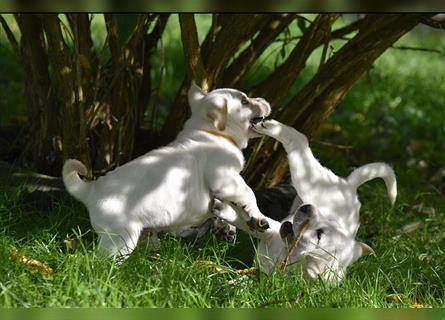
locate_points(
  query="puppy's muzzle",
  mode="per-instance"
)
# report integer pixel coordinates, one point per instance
(257, 120)
(261, 110)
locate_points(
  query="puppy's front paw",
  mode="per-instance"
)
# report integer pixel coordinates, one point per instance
(256, 224)
(268, 127)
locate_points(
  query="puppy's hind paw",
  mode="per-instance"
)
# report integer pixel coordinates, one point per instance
(256, 224)
(227, 234)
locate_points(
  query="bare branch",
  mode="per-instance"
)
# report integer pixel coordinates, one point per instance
(235, 74)
(113, 43)
(235, 30)
(82, 23)
(147, 95)
(82, 48)
(40, 103)
(58, 49)
(209, 40)
(64, 76)
(340, 33)
(9, 35)
(416, 49)
(153, 37)
(437, 22)
(336, 34)
(275, 87)
(141, 29)
(189, 36)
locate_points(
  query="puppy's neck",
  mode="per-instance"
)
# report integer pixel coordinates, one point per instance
(228, 137)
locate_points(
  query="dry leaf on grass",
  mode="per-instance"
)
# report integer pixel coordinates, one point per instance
(422, 209)
(71, 244)
(251, 270)
(393, 298)
(424, 257)
(419, 306)
(410, 227)
(33, 264)
(212, 267)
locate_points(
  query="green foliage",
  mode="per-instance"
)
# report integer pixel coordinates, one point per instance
(12, 95)
(398, 108)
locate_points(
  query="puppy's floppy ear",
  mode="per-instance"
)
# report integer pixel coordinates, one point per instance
(361, 249)
(195, 94)
(287, 232)
(366, 250)
(218, 113)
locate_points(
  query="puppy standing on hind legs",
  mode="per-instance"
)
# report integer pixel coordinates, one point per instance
(172, 187)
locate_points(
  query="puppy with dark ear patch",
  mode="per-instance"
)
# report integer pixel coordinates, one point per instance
(328, 243)
(326, 226)
(302, 234)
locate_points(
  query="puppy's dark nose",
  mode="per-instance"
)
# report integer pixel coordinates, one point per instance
(307, 209)
(256, 120)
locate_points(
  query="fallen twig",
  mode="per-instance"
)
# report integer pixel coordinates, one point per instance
(416, 49)
(294, 245)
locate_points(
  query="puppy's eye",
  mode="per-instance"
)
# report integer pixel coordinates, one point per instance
(244, 101)
(320, 233)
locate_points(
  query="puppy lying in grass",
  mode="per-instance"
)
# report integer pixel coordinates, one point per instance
(320, 232)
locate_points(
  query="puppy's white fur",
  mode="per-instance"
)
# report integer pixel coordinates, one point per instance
(172, 187)
(328, 246)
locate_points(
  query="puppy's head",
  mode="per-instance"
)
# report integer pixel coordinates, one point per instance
(324, 250)
(227, 110)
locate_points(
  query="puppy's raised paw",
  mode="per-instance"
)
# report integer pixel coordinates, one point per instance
(256, 224)
(268, 127)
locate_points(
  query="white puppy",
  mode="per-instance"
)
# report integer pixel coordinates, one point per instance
(328, 222)
(172, 186)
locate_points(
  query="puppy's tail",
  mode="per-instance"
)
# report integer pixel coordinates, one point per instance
(73, 183)
(375, 170)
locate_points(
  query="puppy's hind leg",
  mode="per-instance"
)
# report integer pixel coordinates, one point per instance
(117, 243)
(150, 239)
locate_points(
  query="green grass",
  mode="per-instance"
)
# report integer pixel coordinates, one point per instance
(407, 265)
(395, 113)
